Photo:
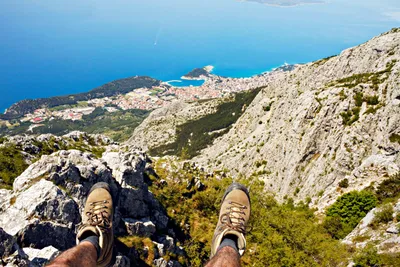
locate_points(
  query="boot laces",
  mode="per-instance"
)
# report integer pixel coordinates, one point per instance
(235, 217)
(98, 214)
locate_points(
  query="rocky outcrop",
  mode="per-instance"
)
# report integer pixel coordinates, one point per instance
(385, 236)
(50, 195)
(159, 128)
(7, 244)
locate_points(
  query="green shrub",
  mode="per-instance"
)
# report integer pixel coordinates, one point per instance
(12, 164)
(351, 208)
(3, 139)
(350, 116)
(372, 110)
(389, 189)
(394, 138)
(384, 215)
(335, 227)
(344, 183)
(268, 106)
(342, 95)
(358, 98)
(367, 257)
(371, 100)
(297, 190)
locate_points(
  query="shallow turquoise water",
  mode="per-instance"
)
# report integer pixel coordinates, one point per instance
(52, 48)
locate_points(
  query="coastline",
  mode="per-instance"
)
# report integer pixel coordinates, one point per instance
(185, 81)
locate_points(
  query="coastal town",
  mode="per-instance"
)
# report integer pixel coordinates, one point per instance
(214, 86)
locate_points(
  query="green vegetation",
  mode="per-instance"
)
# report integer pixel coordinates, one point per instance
(373, 78)
(280, 235)
(384, 215)
(358, 98)
(369, 257)
(372, 110)
(62, 107)
(196, 73)
(322, 61)
(117, 125)
(12, 164)
(344, 183)
(394, 138)
(2, 140)
(350, 116)
(268, 106)
(342, 95)
(347, 212)
(155, 91)
(193, 136)
(371, 100)
(389, 189)
(139, 243)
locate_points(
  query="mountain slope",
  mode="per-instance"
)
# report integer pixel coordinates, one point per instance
(334, 119)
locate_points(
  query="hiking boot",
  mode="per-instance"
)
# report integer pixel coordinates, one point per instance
(97, 219)
(233, 217)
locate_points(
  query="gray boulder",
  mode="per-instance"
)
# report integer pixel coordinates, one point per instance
(43, 200)
(139, 227)
(43, 234)
(7, 243)
(39, 257)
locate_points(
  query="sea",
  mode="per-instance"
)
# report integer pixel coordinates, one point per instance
(50, 48)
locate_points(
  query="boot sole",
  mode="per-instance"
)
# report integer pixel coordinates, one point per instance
(236, 186)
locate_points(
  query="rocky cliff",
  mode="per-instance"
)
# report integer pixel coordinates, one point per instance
(49, 198)
(323, 122)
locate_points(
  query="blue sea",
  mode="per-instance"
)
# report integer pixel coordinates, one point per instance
(50, 48)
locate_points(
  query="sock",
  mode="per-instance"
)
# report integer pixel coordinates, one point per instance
(229, 241)
(94, 239)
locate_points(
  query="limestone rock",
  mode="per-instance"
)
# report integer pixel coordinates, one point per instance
(160, 262)
(39, 257)
(43, 234)
(163, 263)
(122, 261)
(42, 200)
(385, 237)
(139, 227)
(394, 229)
(127, 168)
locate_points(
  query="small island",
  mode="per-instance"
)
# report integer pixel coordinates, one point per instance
(199, 73)
(287, 3)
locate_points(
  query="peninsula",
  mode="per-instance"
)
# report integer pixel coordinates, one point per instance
(199, 73)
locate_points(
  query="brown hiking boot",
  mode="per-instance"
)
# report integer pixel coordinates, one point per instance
(233, 217)
(97, 218)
